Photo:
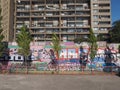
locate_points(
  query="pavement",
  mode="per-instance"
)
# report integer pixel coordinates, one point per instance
(59, 82)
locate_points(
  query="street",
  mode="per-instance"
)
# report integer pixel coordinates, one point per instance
(59, 82)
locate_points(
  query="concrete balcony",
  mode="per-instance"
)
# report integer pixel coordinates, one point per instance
(105, 25)
(105, 19)
(104, 1)
(101, 31)
(104, 13)
(107, 7)
(82, 32)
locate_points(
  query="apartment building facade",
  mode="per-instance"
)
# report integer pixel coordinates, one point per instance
(7, 19)
(69, 19)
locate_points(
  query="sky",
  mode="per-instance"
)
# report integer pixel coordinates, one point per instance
(115, 10)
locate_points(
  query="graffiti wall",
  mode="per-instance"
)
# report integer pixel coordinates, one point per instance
(69, 56)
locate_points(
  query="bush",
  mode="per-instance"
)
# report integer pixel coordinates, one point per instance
(119, 48)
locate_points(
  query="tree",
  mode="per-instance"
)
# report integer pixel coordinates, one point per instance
(1, 35)
(115, 32)
(93, 48)
(119, 48)
(56, 44)
(23, 39)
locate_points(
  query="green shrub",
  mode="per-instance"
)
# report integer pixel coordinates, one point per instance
(119, 48)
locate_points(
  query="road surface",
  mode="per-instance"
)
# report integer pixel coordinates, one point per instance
(59, 82)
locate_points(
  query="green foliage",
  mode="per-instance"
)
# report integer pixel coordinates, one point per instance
(119, 48)
(1, 35)
(2, 48)
(93, 41)
(115, 32)
(56, 44)
(23, 39)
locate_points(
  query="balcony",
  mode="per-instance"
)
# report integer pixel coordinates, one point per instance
(23, 14)
(105, 19)
(38, 31)
(104, 13)
(23, 7)
(104, 7)
(101, 31)
(104, 1)
(38, 38)
(21, 22)
(105, 25)
(19, 26)
(82, 26)
(82, 31)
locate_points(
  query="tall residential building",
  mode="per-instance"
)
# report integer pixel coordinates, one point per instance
(7, 19)
(69, 19)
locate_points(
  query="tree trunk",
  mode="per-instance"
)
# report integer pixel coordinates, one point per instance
(91, 67)
(57, 64)
(26, 64)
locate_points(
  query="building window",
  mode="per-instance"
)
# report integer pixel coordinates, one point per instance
(95, 5)
(96, 22)
(95, 11)
(19, 57)
(95, 16)
(94, 29)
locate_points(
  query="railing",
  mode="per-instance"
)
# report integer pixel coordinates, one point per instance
(60, 69)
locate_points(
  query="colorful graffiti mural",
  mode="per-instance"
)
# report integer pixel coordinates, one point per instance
(69, 56)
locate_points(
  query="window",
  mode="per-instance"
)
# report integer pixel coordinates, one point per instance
(96, 22)
(95, 16)
(94, 29)
(9, 57)
(95, 5)
(19, 57)
(95, 11)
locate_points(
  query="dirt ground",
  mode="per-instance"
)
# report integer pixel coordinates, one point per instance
(59, 82)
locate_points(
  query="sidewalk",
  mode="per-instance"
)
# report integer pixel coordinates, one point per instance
(62, 72)
(59, 82)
